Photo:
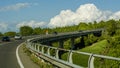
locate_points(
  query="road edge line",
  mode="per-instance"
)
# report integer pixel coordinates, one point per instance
(18, 58)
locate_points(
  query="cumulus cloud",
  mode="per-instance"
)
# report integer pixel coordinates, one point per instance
(32, 23)
(115, 16)
(85, 13)
(3, 27)
(63, 18)
(15, 6)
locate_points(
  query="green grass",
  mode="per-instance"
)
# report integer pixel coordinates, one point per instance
(82, 60)
(39, 62)
(96, 48)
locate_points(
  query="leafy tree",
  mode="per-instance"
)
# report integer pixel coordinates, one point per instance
(37, 30)
(11, 34)
(101, 24)
(95, 25)
(90, 39)
(1, 34)
(83, 26)
(111, 27)
(26, 30)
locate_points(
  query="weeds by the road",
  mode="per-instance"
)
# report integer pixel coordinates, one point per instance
(35, 59)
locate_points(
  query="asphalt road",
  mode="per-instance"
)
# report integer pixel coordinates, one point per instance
(8, 54)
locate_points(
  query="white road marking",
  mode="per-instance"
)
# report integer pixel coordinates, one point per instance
(18, 58)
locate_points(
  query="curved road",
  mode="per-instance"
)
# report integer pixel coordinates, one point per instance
(8, 54)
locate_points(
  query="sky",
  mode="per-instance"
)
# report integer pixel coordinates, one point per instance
(55, 13)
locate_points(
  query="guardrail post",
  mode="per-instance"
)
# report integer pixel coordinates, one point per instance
(57, 54)
(32, 46)
(91, 61)
(48, 51)
(35, 47)
(38, 48)
(42, 49)
(70, 56)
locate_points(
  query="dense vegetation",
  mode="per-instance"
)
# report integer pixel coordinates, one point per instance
(107, 44)
(111, 24)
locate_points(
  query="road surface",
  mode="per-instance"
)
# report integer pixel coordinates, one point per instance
(8, 54)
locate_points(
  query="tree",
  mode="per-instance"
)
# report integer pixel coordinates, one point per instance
(111, 27)
(10, 33)
(95, 25)
(1, 34)
(101, 24)
(37, 30)
(83, 26)
(26, 30)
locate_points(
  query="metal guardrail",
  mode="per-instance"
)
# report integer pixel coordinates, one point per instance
(44, 52)
(39, 50)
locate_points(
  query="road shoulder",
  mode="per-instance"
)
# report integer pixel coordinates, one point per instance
(25, 59)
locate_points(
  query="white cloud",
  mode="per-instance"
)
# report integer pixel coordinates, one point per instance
(3, 27)
(63, 18)
(32, 23)
(85, 13)
(115, 16)
(90, 13)
(15, 6)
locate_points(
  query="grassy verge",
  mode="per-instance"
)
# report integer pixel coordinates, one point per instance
(82, 60)
(35, 59)
(95, 48)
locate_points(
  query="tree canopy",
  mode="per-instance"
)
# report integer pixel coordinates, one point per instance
(26, 30)
(1, 34)
(10, 33)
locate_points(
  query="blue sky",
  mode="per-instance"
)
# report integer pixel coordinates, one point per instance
(43, 12)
